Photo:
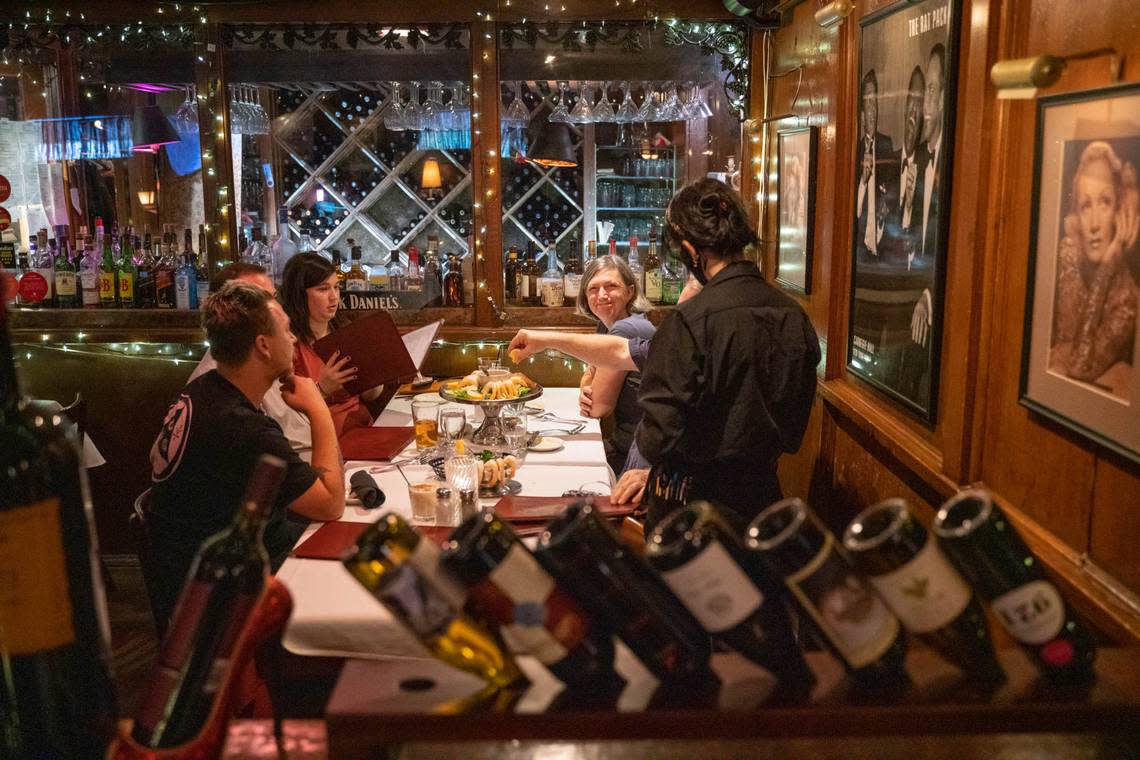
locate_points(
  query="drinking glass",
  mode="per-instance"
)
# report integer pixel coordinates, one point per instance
(452, 421)
(582, 113)
(394, 116)
(627, 111)
(516, 435)
(604, 109)
(517, 114)
(413, 113)
(671, 110)
(560, 113)
(649, 105)
(462, 473)
(425, 418)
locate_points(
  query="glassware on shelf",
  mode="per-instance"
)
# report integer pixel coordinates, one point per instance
(671, 109)
(186, 117)
(517, 114)
(627, 111)
(394, 120)
(583, 113)
(649, 105)
(413, 112)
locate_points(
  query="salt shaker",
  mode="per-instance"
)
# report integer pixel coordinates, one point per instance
(468, 504)
(446, 512)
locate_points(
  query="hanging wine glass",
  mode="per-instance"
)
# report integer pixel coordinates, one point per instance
(517, 114)
(582, 112)
(627, 111)
(604, 110)
(560, 113)
(701, 108)
(430, 110)
(394, 116)
(186, 117)
(671, 109)
(649, 105)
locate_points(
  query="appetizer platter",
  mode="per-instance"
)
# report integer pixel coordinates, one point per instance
(491, 390)
(496, 474)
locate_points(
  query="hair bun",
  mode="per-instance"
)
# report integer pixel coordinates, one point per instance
(710, 204)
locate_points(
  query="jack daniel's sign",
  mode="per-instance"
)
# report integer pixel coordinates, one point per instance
(384, 300)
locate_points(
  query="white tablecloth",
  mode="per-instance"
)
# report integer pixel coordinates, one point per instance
(334, 616)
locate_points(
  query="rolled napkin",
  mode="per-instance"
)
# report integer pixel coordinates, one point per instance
(364, 488)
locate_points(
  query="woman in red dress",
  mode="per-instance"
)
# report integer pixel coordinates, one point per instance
(311, 298)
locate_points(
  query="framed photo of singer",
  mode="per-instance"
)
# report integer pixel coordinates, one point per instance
(795, 206)
(1081, 344)
(903, 157)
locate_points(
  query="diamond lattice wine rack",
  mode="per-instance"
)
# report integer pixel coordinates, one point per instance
(347, 174)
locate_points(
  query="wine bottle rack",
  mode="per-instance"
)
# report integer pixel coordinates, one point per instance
(541, 204)
(344, 175)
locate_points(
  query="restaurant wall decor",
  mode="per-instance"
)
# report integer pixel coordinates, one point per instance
(1081, 344)
(907, 64)
(796, 206)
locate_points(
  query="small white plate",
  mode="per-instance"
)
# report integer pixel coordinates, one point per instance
(547, 443)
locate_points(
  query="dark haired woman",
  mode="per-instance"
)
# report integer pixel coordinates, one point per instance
(311, 298)
(730, 379)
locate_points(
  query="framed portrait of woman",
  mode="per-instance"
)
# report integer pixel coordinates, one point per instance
(1081, 344)
(795, 206)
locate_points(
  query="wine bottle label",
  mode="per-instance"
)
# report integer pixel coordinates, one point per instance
(571, 284)
(534, 615)
(126, 286)
(1033, 613)
(552, 292)
(356, 284)
(107, 285)
(35, 607)
(417, 603)
(65, 284)
(848, 611)
(653, 283)
(32, 288)
(524, 286)
(182, 292)
(926, 593)
(715, 589)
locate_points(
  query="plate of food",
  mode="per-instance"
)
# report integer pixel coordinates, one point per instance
(546, 444)
(496, 473)
(491, 386)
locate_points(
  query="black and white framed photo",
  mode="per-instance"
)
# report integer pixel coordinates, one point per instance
(907, 64)
(1081, 344)
(795, 206)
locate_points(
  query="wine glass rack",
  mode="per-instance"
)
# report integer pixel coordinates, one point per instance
(345, 175)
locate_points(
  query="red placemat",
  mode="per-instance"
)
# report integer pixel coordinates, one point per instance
(542, 508)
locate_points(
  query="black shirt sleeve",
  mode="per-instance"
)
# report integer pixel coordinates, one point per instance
(670, 387)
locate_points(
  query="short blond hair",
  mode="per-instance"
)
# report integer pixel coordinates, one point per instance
(233, 317)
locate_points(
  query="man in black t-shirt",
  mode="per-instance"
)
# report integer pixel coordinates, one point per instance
(215, 432)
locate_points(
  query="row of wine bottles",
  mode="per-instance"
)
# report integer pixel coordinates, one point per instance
(485, 597)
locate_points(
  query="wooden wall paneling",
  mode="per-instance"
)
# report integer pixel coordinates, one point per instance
(797, 471)
(1115, 524)
(214, 137)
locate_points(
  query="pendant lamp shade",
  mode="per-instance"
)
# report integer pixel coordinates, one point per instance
(150, 129)
(554, 146)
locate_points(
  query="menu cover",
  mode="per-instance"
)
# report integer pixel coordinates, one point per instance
(521, 509)
(377, 350)
(334, 539)
(375, 443)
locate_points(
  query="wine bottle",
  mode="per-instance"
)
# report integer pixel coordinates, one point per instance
(534, 615)
(986, 549)
(401, 570)
(222, 587)
(736, 600)
(853, 620)
(913, 576)
(56, 696)
(586, 557)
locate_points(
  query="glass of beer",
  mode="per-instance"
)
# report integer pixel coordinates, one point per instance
(425, 417)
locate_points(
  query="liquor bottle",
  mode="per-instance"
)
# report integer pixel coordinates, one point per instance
(186, 277)
(533, 271)
(583, 554)
(202, 270)
(66, 282)
(550, 281)
(378, 276)
(654, 272)
(986, 549)
(672, 282)
(43, 264)
(613, 246)
(634, 259)
(56, 694)
(511, 276)
(146, 240)
(414, 280)
(452, 282)
(591, 251)
(401, 570)
(164, 268)
(905, 565)
(146, 295)
(108, 271)
(534, 615)
(523, 276)
(433, 279)
(737, 600)
(282, 249)
(222, 588)
(355, 281)
(128, 272)
(572, 275)
(853, 621)
(396, 272)
(89, 272)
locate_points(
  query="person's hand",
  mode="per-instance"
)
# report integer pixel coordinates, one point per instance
(1127, 226)
(586, 400)
(524, 345)
(335, 373)
(922, 319)
(692, 287)
(630, 487)
(868, 165)
(301, 394)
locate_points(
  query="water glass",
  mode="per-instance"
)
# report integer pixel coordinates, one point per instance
(516, 436)
(462, 473)
(425, 418)
(452, 421)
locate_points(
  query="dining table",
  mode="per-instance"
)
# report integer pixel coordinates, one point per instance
(334, 616)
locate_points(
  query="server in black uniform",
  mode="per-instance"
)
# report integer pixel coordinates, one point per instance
(731, 374)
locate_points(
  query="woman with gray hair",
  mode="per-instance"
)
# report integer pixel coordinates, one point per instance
(611, 296)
